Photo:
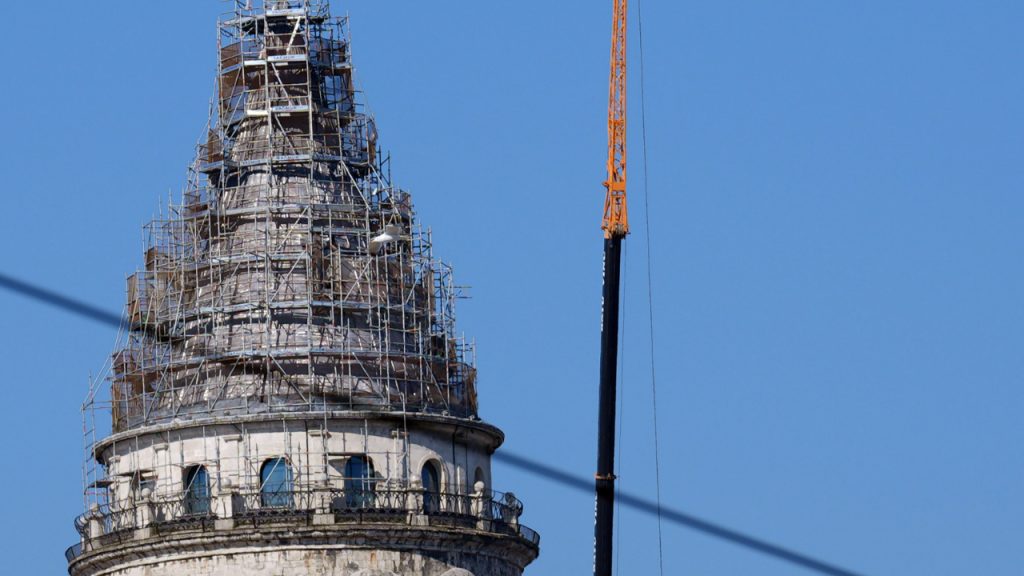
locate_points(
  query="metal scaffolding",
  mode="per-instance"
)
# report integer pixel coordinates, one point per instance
(292, 276)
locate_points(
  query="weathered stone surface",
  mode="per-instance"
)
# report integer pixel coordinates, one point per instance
(313, 550)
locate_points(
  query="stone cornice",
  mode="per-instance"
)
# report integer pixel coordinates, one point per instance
(492, 433)
(144, 549)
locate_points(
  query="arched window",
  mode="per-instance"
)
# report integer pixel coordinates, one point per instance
(359, 482)
(276, 484)
(431, 478)
(197, 491)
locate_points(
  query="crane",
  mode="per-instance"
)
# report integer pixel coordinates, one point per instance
(615, 224)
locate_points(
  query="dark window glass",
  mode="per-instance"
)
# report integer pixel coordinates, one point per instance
(276, 484)
(431, 478)
(359, 482)
(197, 491)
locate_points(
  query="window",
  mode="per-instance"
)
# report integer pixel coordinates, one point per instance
(431, 478)
(197, 491)
(142, 481)
(359, 482)
(276, 484)
(479, 477)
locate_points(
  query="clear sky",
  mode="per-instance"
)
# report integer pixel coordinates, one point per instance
(836, 218)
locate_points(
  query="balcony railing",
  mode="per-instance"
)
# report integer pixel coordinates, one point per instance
(112, 524)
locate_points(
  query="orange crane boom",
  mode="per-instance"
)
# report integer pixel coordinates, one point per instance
(616, 214)
(616, 226)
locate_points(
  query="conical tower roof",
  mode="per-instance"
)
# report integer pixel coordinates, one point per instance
(293, 276)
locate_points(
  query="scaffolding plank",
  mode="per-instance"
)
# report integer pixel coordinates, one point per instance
(286, 12)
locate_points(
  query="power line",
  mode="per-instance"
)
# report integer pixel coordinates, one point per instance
(676, 516)
(60, 301)
(650, 289)
(97, 314)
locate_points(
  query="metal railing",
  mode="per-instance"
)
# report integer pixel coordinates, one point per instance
(493, 512)
(187, 509)
(73, 552)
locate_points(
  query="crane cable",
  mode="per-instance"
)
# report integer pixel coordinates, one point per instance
(622, 405)
(650, 316)
(650, 289)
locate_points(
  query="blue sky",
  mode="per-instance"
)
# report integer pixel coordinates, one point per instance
(835, 213)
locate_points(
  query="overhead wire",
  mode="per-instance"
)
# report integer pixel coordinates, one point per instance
(650, 290)
(528, 465)
(677, 517)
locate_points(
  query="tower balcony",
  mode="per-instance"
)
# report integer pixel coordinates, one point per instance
(326, 508)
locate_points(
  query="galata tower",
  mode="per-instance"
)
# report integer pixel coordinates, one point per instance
(289, 394)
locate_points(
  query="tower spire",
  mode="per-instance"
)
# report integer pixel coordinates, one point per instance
(291, 366)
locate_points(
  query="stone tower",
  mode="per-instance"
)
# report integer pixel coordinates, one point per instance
(289, 394)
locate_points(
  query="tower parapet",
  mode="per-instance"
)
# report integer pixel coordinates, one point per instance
(289, 385)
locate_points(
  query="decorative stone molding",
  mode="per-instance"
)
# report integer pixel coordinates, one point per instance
(340, 545)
